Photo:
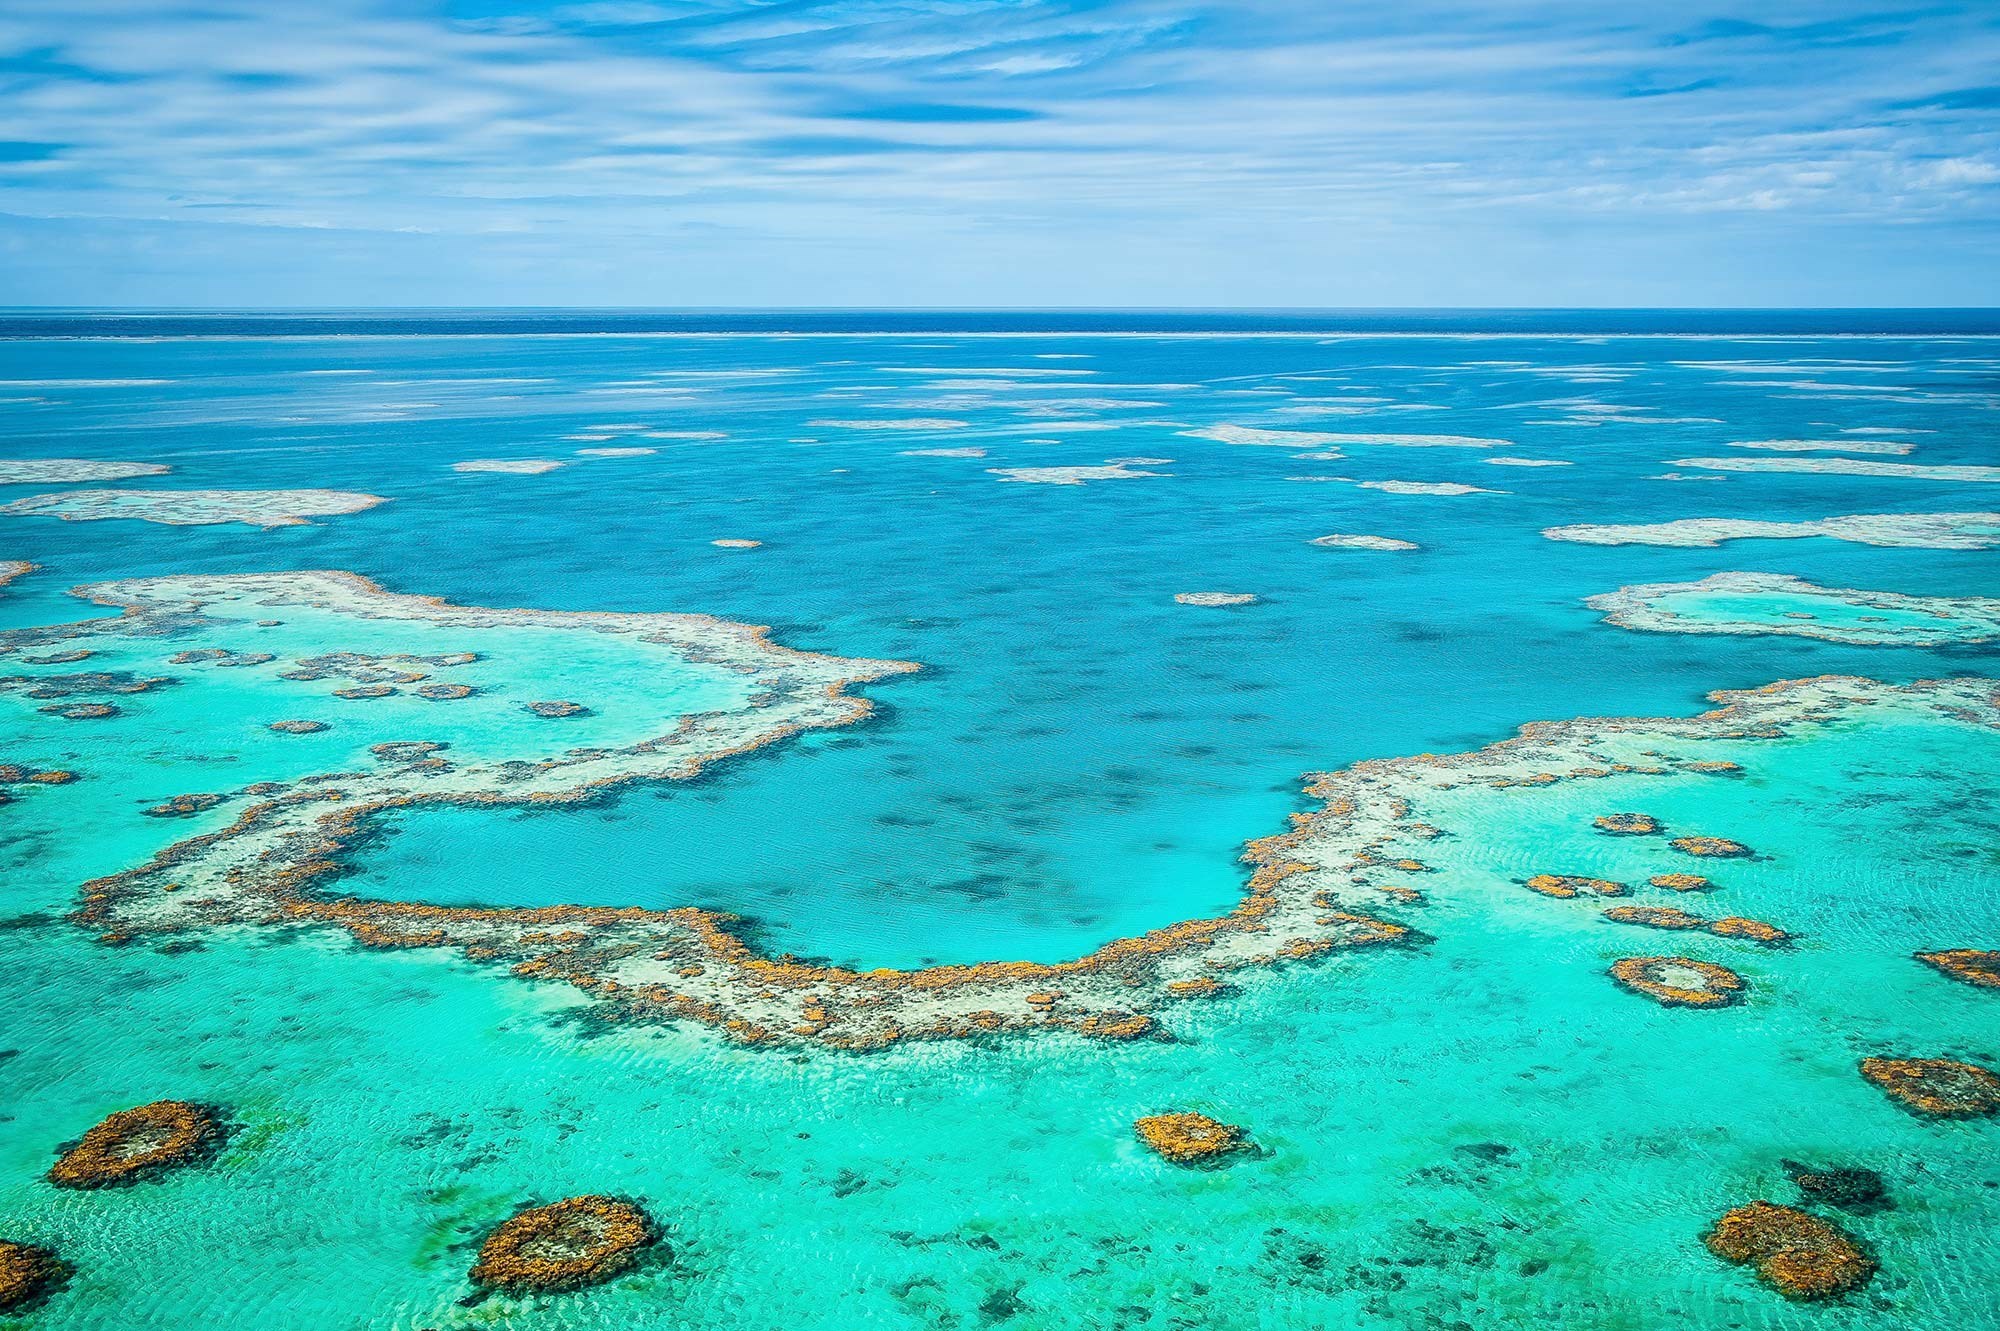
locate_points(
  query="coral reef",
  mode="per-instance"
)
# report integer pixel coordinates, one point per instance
(136, 1143)
(1798, 1254)
(1848, 1187)
(28, 1274)
(297, 727)
(1915, 621)
(182, 806)
(1670, 917)
(1680, 882)
(1627, 824)
(1964, 963)
(1679, 981)
(1188, 1138)
(1936, 1087)
(1710, 847)
(556, 709)
(1573, 885)
(1309, 897)
(444, 692)
(566, 1245)
(81, 711)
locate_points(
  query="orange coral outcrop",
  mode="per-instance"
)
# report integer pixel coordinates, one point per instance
(1968, 964)
(1798, 1254)
(1188, 1138)
(1679, 981)
(1936, 1087)
(569, 1244)
(134, 1143)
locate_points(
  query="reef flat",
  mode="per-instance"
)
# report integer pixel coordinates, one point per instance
(194, 508)
(1930, 531)
(1777, 603)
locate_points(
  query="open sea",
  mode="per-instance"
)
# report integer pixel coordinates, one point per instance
(1477, 1131)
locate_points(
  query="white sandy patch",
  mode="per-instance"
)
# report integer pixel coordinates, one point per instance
(1407, 487)
(1846, 467)
(1245, 434)
(1342, 541)
(616, 452)
(1931, 531)
(1526, 462)
(1215, 598)
(906, 423)
(1070, 475)
(59, 471)
(1883, 446)
(509, 466)
(943, 453)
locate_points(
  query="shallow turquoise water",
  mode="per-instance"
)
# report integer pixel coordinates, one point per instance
(1081, 759)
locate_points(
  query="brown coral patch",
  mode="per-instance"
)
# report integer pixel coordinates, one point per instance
(1672, 917)
(555, 709)
(1628, 824)
(1968, 964)
(81, 711)
(1936, 1087)
(1846, 1186)
(1710, 847)
(445, 692)
(1655, 917)
(1188, 1138)
(1679, 981)
(27, 1275)
(1573, 885)
(1756, 931)
(182, 806)
(1201, 986)
(365, 691)
(1800, 1255)
(568, 1244)
(297, 727)
(134, 1143)
(1680, 882)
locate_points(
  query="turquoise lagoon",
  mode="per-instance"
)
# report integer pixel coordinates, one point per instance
(1479, 1130)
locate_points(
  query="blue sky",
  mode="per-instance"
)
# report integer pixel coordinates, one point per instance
(998, 152)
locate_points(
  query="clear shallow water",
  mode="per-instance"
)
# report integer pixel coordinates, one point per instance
(1081, 759)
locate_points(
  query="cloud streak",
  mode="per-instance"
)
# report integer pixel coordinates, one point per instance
(896, 152)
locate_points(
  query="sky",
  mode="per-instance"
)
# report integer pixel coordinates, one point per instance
(1051, 153)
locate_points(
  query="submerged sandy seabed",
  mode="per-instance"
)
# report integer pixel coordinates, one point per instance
(1313, 890)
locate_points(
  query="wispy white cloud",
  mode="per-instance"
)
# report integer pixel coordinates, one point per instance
(897, 151)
